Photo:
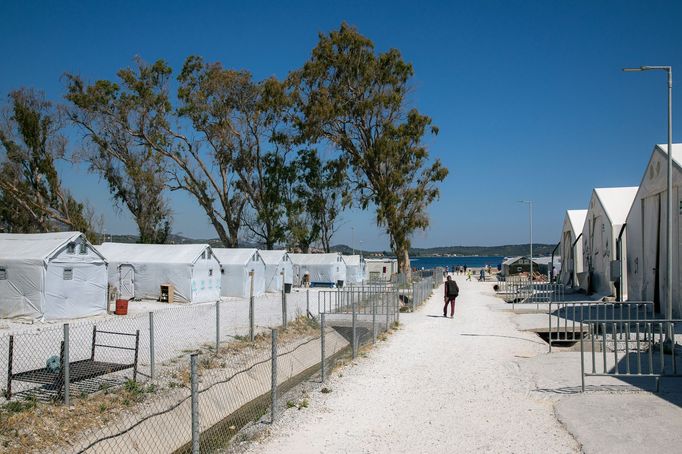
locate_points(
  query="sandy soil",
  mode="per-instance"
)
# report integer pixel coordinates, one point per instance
(438, 385)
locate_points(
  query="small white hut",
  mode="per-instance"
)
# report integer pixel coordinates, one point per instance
(381, 270)
(356, 270)
(646, 233)
(571, 249)
(276, 263)
(327, 270)
(604, 240)
(139, 270)
(51, 276)
(236, 265)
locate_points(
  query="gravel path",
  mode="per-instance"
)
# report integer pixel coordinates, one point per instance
(438, 385)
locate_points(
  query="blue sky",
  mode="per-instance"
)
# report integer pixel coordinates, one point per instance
(528, 95)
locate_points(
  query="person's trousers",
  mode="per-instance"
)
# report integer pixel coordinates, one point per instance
(452, 307)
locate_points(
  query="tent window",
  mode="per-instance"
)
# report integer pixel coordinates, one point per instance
(71, 248)
(68, 274)
(203, 255)
(384, 270)
(222, 271)
(83, 249)
(210, 272)
(208, 255)
(3, 274)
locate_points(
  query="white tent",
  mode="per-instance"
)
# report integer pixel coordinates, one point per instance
(139, 270)
(381, 269)
(277, 262)
(236, 264)
(604, 221)
(51, 276)
(571, 249)
(356, 270)
(646, 232)
(324, 269)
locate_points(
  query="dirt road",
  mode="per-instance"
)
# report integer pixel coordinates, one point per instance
(438, 385)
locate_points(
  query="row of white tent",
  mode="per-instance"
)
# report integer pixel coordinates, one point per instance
(618, 245)
(61, 275)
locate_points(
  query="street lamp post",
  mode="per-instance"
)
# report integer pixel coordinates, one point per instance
(530, 223)
(669, 198)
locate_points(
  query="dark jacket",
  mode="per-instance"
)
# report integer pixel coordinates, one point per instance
(451, 289)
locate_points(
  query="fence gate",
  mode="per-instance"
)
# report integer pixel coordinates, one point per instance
(127, 281)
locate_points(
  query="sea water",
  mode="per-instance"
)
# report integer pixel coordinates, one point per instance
(470, 261)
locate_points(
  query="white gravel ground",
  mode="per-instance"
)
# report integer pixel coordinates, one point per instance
(438, 385)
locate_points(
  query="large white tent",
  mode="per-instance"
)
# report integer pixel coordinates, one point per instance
(571, 249)
(139, 270)
(276, 263)
(51, 276)
(604, 223)
(646, 232)
(356, 270)
(323, 269)
(236, 264)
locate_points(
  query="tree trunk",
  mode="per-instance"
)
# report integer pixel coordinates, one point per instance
(403, 255)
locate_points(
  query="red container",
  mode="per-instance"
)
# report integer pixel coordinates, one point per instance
(121, 307)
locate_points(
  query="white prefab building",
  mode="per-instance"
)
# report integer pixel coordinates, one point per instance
(381, 269)
(356, 270)
(646, 231)
(571, 248)
(276, 263)
(138, 270)
(604, 241)
(236, 265)
(51, 276)
(323, 269)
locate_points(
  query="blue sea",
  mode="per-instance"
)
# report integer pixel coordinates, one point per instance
(470, 261)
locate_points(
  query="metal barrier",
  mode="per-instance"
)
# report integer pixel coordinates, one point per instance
(566, 317)
(636, 342)
(422, 290)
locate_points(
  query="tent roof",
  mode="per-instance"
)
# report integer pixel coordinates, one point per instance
(234, 256)
(314, 259)
(152, 253)
(352, 260)
(36, 246)
(577, 219)
(616, 202)
(272, 257)
(677, 152)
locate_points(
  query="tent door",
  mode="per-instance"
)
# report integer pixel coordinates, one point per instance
(126, 281)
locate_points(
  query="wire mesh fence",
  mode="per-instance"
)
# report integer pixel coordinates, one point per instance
(124, 384)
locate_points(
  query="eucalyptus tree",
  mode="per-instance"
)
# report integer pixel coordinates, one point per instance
(355, 99)
(32, 196)
(116, 120)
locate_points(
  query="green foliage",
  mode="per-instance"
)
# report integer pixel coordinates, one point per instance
(32, 198)
(354, 99)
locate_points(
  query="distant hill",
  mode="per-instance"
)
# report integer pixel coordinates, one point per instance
(507, 250)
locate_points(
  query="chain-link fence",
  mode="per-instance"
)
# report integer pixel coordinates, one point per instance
(124, 383)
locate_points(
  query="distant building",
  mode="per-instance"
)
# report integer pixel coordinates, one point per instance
(571, 249)
(381, 269)
(517, 265)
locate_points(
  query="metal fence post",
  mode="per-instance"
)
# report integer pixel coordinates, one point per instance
(307, 302)
(252, 322)
(273, 385)
(217, 326)
(384, 302)
(284, 305)
(323, 359)
(67, 380)
(195, 402)
(414, 295)
(374, 321)
(397, 304)
(151, 345)
(354, 347)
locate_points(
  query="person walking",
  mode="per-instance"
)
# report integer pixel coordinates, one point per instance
(468, 275)
(482, 275)
(451, 294)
